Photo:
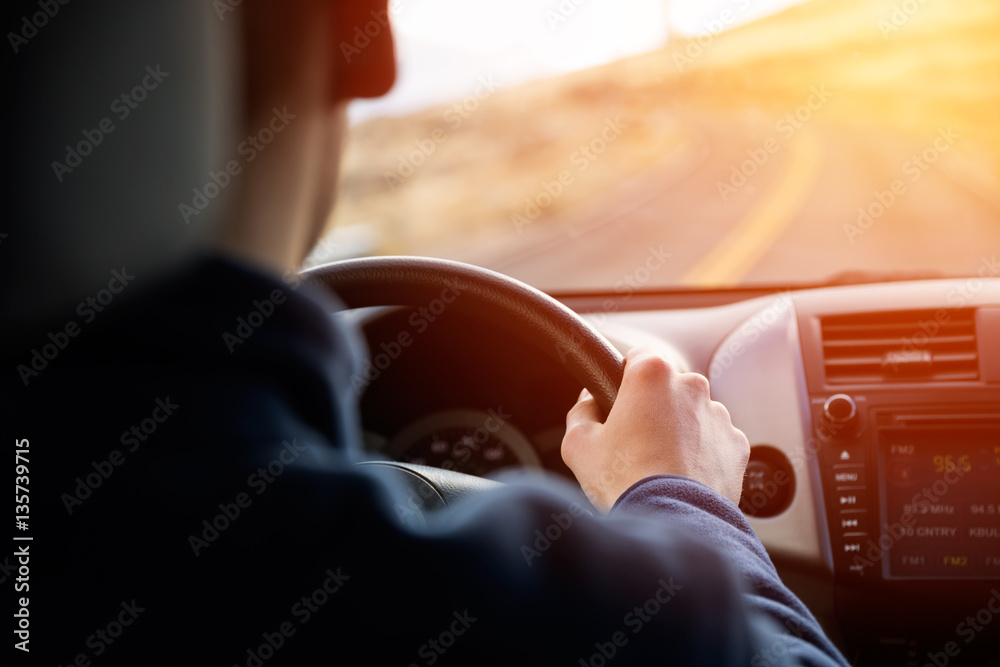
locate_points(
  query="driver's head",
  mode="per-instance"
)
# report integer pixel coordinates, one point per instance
(138, 133)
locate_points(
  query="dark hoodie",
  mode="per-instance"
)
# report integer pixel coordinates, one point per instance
(193, 501)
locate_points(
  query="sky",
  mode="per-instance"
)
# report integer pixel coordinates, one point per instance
(444, 47)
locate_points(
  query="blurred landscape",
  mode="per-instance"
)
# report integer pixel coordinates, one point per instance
(459, 181)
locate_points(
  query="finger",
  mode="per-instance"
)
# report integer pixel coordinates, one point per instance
(722, 410)
(585, 412)
(637, 352)
(647, 374)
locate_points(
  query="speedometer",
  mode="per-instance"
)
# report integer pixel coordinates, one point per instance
(469, 441)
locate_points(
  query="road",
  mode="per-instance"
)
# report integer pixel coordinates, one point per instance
(763, 206)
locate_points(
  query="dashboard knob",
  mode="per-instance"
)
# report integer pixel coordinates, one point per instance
(841, 413)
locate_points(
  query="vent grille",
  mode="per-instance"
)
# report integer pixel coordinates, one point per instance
(900, 346)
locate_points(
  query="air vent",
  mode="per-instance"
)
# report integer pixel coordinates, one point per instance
(901, 346)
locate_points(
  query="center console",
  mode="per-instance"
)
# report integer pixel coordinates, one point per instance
(905, 421)
(912, 491)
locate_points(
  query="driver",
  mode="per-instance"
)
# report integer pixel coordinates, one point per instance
(189, 421)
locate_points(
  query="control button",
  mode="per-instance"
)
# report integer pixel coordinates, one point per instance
(841, 455)
(847, 499)
(840, 409)
(757, 473)
(909, 562)
(991, 563)
(852, 547)
(852, 521)
(901, 473)
(955, 562)
(849, 475)
(768, 483)
(841, 415)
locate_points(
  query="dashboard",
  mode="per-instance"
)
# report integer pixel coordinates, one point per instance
(873, 413)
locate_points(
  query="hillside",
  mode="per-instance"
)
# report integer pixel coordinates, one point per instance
(424, 180)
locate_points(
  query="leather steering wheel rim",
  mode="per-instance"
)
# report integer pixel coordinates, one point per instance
(524, 311)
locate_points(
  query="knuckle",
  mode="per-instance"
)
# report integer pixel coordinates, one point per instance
(699, 383)
(743, 444)
(649, 367)
(574, 440)
(722, 410)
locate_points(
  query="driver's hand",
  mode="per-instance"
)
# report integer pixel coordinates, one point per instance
(663, 422)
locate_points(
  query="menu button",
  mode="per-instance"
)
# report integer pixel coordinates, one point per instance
(849, 476)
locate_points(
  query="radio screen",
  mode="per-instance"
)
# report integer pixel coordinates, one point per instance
(940, 507)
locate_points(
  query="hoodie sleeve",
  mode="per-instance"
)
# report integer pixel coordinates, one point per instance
(717, 522)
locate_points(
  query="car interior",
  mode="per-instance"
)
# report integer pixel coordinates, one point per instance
(799, 201)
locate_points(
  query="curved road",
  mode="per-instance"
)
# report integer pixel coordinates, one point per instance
(735, 205)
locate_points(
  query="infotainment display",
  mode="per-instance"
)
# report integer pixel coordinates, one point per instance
(940, 505)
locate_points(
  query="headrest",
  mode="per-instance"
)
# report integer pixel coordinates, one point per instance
(116, 112)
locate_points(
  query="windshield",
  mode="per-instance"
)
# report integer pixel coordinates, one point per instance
(601, 146)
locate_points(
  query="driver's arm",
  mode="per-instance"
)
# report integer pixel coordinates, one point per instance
(667, 448)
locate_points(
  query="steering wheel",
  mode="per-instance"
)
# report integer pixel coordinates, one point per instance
(523, 311)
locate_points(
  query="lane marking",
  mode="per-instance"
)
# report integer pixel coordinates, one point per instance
(739, 251)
